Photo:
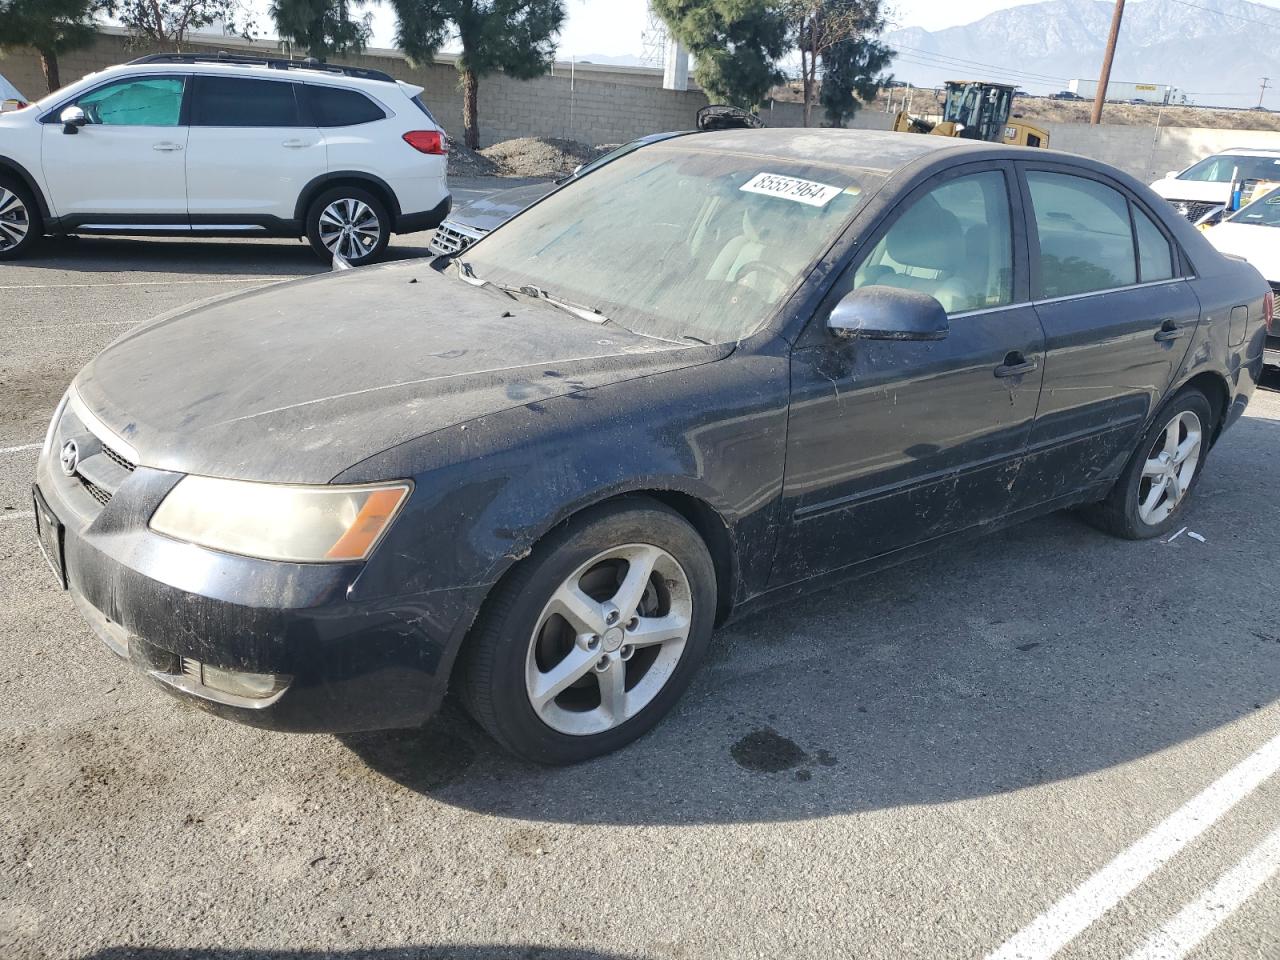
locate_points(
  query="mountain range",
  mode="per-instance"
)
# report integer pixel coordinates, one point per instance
(1213, 51)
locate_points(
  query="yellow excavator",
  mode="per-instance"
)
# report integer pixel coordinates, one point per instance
(976, 110)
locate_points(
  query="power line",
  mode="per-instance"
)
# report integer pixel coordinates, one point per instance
(993, 74)
(1273, 24)
(977, 63)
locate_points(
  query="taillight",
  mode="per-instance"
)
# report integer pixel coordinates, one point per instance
(1269, 311)
(427, 141)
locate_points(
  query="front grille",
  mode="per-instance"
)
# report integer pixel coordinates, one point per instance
(112, 455)
(95, 491)
(1193, 210)
(449, 241)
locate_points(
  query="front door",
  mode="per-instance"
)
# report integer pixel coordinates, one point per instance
(894, 443)
(127, 164)
(1118, 320)
(251, 152)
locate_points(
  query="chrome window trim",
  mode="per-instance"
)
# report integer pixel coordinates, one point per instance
(100, 429)
(1095, 293)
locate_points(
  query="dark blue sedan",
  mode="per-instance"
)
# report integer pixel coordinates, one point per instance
(720, 370)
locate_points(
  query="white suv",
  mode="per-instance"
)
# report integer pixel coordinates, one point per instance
(189, 145)
(1201, 191)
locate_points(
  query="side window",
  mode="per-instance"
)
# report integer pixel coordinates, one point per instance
(1086, 242)
(1155, 256)
(331, 107)
(244, 102)
(139, 102)
(954, 244)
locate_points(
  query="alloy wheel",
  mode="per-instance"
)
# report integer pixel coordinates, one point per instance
(350, 227)
(609, 639)
(15, 220)
(1169, 468)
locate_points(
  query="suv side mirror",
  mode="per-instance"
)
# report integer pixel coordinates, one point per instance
(72, 119)
(888, 313)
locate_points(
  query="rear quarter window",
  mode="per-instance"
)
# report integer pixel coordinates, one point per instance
(334, 107)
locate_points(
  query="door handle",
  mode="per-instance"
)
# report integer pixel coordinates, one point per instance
(1169, 330)
(166, 146)
(1015, 365)
(295, 144)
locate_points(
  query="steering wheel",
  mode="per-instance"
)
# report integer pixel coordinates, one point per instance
(759, 266)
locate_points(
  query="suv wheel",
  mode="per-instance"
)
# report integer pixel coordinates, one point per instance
(591, 639)
(349, 221)
(20, 225)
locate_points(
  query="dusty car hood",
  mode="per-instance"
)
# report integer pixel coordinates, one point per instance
(496, 209)
(301, 380)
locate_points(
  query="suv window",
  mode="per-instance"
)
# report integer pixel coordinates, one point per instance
(136, 102)
(1086, 241)
(244, 102)
(954, 244)
(332, 107)
(1220, 168)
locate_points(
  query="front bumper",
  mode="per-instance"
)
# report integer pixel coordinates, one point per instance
(347, 661)
(1271, 352)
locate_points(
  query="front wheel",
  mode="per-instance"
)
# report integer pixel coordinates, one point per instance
(351, 222)
(592, 639)
(1153, 491)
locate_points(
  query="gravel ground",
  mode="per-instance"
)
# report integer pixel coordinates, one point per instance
(915, 765)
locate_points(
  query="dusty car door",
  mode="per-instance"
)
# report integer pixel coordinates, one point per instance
(893, 443)
(1118, 317)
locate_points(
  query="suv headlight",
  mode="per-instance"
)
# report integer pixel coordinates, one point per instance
(274, 521)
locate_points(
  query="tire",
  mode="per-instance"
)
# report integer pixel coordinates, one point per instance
(339, 207)
(1130, 510)
(20, 224)
(523, 639)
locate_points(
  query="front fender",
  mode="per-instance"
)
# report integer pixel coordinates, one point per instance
(487, 491)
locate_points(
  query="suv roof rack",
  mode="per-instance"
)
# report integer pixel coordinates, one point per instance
(274, 63)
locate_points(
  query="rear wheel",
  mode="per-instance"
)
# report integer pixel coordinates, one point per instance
(20, 224)
(1152, 493)
(349, 221)
(592, 639)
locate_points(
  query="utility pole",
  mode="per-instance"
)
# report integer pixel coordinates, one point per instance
(1105, 77)
(1266, 82)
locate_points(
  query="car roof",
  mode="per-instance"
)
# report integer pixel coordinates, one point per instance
(256, 70)
(1255, 151)
(881, 150)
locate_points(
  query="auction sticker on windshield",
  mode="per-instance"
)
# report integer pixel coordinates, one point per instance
(792, 188)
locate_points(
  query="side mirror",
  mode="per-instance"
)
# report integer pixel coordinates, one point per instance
(887, 313)
(72, 119)
(577, 170)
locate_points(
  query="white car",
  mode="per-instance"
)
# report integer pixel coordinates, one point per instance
(1204, 188)
(1253, 233)
(190, 145)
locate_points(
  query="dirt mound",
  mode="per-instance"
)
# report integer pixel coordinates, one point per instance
(468, 163)
(538, 156)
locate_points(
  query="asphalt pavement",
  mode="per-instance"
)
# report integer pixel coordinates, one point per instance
(1046, 743)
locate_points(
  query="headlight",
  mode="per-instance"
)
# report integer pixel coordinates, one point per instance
(304, 524)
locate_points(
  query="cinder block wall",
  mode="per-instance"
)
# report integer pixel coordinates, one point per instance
(592, 103)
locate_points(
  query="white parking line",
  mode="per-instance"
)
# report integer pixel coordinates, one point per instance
(134, 283)
(1202, 915)
(22, 447)
(1066, 919)
(16, 514)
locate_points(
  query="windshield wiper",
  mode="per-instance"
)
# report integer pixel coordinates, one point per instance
(468, 275)
(577, 309)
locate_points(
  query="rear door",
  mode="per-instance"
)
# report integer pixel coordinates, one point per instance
(1118, 316)
(894, 443)
(125, 166)
(251, 151)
